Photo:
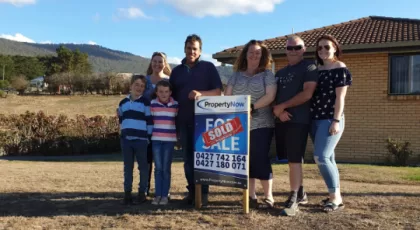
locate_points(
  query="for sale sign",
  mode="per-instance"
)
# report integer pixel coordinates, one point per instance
(221, 141)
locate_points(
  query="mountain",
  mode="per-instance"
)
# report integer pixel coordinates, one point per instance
(101, 58)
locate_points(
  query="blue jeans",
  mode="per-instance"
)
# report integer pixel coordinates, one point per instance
(162, 156)
(187, 142)
(135, 149)
(324, 155)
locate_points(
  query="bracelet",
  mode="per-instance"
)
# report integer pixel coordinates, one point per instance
(338, 121)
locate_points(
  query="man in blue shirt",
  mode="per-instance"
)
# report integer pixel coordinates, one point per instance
(190, 80)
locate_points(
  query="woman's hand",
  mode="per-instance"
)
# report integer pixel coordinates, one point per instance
(334, 128)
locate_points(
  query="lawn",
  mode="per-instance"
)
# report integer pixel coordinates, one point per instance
(89, 105)
(86, 194)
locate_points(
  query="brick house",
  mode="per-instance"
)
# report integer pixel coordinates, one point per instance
(383, 55)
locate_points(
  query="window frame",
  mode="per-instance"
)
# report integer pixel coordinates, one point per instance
(390, 56)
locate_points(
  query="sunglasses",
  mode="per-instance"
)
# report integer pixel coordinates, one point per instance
(290, 48)
(326, 47)
(159, 53)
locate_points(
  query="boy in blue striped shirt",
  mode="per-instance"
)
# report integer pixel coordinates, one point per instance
(136, 129)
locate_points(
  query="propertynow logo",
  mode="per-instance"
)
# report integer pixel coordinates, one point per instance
(205, 104)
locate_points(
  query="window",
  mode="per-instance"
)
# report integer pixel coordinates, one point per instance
(405, 74)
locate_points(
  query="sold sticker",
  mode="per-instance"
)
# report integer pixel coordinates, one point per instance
(222, 132)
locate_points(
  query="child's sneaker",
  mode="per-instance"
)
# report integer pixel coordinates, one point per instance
(127, 199)
(156, 200)
(164, 201)
(141, 198)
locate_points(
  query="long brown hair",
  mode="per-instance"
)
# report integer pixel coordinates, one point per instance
(241, 63)
(166, 67)
(338, 51)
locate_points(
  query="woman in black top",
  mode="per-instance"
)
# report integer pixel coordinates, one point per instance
(328, 115)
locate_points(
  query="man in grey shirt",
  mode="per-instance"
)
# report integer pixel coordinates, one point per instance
(295, 85)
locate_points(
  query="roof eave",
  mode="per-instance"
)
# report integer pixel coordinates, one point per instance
(361, 48)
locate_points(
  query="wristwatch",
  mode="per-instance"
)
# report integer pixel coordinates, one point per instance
(338, 121)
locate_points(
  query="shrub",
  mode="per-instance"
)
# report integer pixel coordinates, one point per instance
(20, 84)
(2, 94)
(4, 84)
(399, 151)
(39, 134)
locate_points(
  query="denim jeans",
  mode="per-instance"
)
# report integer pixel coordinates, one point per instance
(324, 155)
(135, 149)
(187, 142)
(162, 156)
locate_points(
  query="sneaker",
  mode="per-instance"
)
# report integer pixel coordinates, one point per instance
(164, 201)
(291, 209)
(291, 199)
(141, 198)
(156, 200)
(189, 199)
(128, 199)
(302, 199)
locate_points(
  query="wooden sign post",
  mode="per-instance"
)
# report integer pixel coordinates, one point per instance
(221, 149)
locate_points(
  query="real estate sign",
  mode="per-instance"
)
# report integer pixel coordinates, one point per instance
(221, 141)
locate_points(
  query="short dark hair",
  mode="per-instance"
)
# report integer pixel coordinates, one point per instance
(338, 51)
(193, 38)
(136, 77)
(161, 83)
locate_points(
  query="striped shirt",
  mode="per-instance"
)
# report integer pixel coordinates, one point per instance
(164, 120)
(135, 118)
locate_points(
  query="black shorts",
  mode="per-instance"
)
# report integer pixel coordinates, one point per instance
(259, 154)
(291, 139)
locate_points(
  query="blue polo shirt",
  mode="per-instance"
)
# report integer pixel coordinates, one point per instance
(203, 76)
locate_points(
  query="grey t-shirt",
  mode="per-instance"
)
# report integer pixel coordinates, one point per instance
(255, 87)
(290, 80)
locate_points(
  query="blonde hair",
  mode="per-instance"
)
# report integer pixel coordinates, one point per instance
(241, 63)
(166, 67)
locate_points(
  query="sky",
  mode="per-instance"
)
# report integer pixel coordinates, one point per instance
(144, 26)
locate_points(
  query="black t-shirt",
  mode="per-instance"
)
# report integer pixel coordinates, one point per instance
(290, 82)
(323, 100)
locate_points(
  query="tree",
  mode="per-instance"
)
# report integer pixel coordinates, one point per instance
(30, 67)
(65, 59)
(7, 63)
(80, 62)
(20, 84)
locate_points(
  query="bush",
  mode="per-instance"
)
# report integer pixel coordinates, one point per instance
(399, 151)
(4, 84)
(20, 84)
(39, 134)
(2, 94)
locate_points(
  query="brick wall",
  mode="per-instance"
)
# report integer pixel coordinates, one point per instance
(371, 114)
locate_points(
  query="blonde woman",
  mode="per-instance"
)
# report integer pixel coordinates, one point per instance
(158, 70)
(253, 77)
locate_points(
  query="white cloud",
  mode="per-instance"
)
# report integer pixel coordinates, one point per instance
(220, 8)
(18, 2)
(17, 37)
(130, 13)
(91, 43)
(96, 17)
(174, 60)
(208, 57)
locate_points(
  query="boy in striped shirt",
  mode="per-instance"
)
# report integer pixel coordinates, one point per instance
(136, 126)
(164, 110)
